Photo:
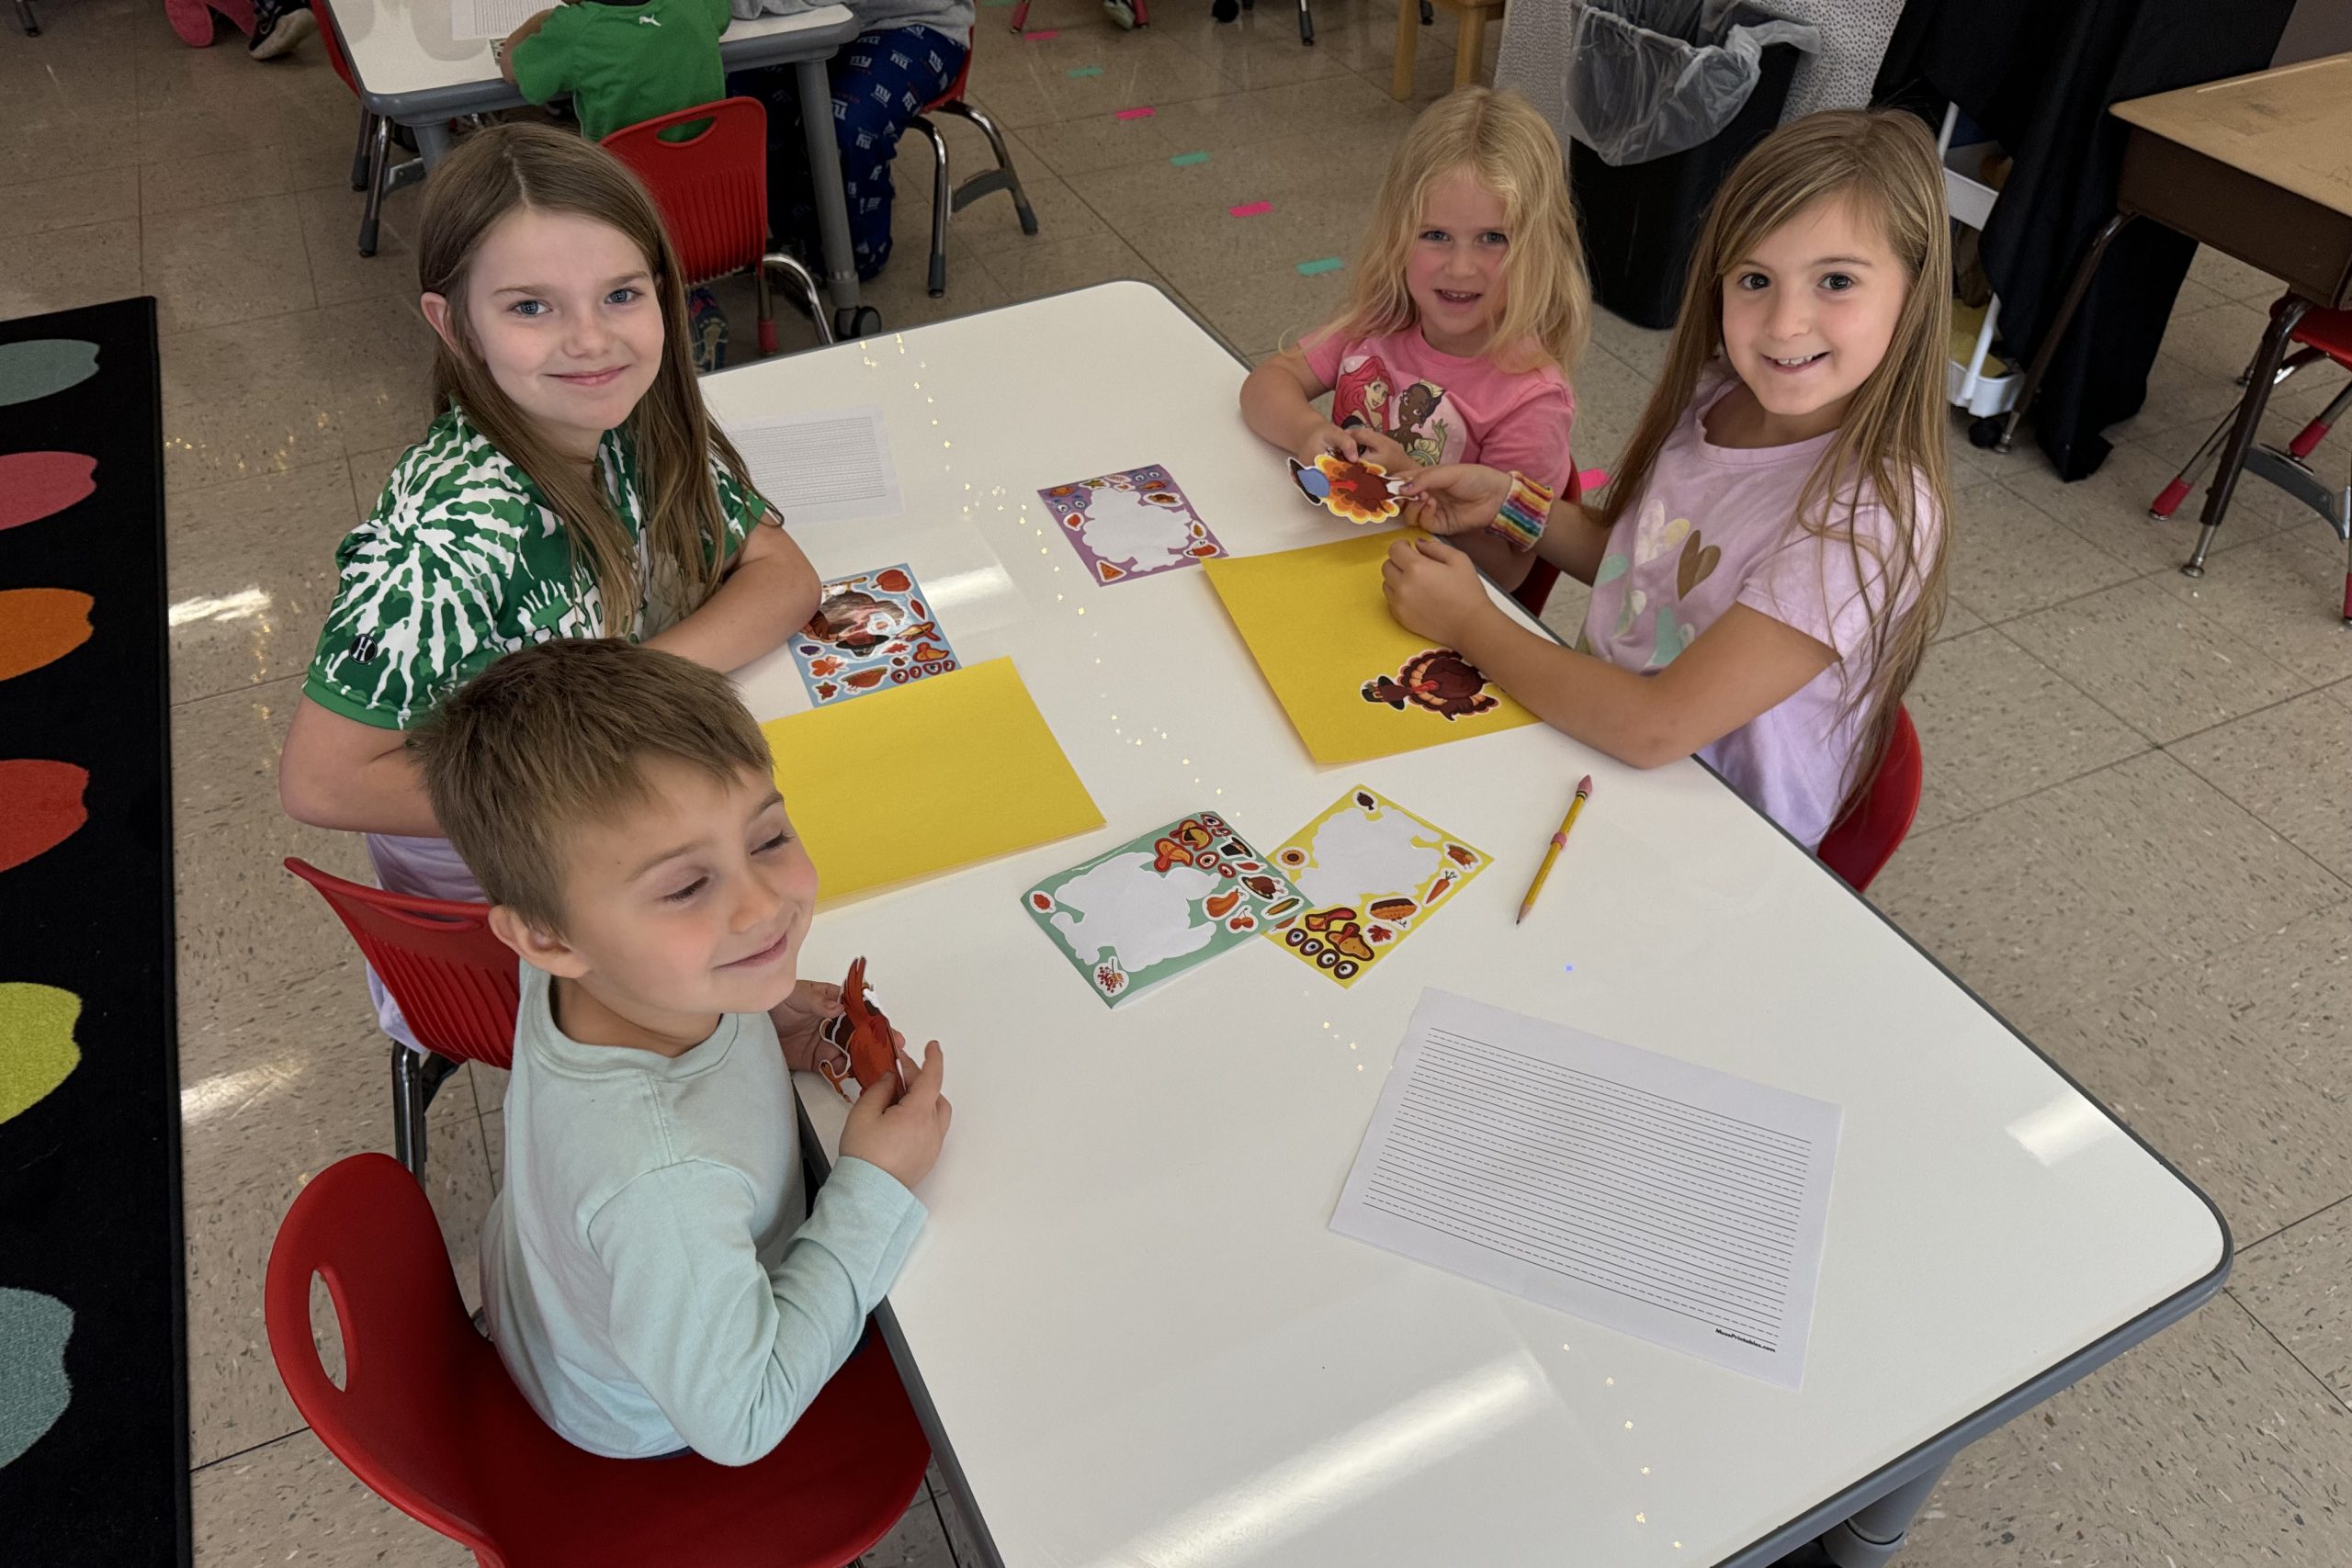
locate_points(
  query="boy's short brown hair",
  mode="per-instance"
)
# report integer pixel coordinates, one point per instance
(555, 737)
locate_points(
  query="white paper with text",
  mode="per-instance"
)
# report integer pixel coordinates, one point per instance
(491, 18)
(1665, 1200)
(821, 468)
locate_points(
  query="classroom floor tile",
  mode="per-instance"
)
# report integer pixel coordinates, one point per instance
(2167, 919)
(2209, 1445)
(2002, 725)
(2298, 1285)
(2155, 663)
(2287, 764)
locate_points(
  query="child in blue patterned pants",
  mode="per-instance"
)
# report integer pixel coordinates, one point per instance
(910, 52)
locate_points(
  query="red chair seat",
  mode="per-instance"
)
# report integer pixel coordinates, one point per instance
(428, 1419)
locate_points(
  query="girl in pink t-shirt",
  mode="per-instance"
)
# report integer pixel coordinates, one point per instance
(1468, 307)
(1768, 565)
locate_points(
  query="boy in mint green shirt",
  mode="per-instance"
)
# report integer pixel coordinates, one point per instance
(653, 1274)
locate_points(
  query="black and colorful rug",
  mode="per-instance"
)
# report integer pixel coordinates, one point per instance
(92, 1369)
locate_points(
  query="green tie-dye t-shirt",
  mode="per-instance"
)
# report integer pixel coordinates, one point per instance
(460, 563)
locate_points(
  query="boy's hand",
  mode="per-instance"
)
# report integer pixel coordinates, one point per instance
(798, 1018)
(1330, 438)
(901, 1131)
(1459, 498)
(1432, 590)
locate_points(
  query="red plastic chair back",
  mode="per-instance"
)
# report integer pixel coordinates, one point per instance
(428, 1419)
(456, 983)
(331, 42)
(2330, 332)
(1859, 846)
(1535, 590)
(954, 93)
(712, 188)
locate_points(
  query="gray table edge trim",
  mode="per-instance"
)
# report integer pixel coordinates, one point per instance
(1926, 1458)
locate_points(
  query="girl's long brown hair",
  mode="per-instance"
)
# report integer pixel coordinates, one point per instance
(1889, 448)
(1513, 151)
(508, 167)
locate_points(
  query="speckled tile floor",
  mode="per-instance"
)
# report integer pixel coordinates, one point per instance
(2129, 843)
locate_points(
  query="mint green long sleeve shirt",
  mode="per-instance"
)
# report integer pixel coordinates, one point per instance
(653, 1275)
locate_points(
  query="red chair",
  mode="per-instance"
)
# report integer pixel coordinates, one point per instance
(428, 1417)
(712, 188)
(2319, 336)
(1860, 843)
(455, 983)
(947, 198)
(367, 170)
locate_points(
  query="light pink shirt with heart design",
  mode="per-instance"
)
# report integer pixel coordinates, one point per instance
(1713, 528)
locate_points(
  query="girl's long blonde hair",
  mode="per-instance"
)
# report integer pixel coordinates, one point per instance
(1889, 448)
(1513, 151)
(508, 167)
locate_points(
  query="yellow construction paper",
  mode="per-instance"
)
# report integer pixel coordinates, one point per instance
(1319, 627)
(915, 781)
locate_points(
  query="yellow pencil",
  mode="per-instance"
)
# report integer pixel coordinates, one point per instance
(1559, 842)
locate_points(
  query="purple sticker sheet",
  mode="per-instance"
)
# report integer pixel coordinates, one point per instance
(1133, 524)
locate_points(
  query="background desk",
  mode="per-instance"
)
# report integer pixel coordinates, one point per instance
(1138, 1340)
(413, 70)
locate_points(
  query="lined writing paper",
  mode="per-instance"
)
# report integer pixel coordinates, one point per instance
(1666, 1200)
(821, 468)
(491, 18)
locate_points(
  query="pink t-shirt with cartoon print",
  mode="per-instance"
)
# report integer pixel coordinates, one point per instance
(1446, 408)
(1713, 528)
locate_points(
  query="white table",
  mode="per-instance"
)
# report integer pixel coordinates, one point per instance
(413, 70)
(1137, 1341)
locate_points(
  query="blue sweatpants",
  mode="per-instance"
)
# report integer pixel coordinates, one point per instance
(881, 81)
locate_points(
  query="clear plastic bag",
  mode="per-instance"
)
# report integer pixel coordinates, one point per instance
(1650, 78)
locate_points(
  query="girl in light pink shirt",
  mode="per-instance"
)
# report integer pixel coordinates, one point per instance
(1768, 565)
(1468, 307)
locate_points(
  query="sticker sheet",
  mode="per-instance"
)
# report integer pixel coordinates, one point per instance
(1372, 874)
(872, 631)
(1130, 524)
(1149, 911)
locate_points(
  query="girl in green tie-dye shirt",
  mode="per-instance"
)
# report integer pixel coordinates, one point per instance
(572, 485)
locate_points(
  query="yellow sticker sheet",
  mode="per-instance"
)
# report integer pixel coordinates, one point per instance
(1372, 874)
(872, 790)
(1355, 684)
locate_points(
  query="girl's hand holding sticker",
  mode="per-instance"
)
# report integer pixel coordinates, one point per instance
(1432, 589)
(1460, 498)
(1329, 438)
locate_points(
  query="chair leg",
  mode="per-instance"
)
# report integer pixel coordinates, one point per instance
(27, 19)
(359, 152)
(806, 281)
(379, 148)
(1021, 16)
(407, 1109)
(2311, 435)
(2249, 419)
(2051, 334)
(2169, 499)
(767, 292)
(1305, 23)
(1408, 43)
(942, 202)
(1006, 175)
